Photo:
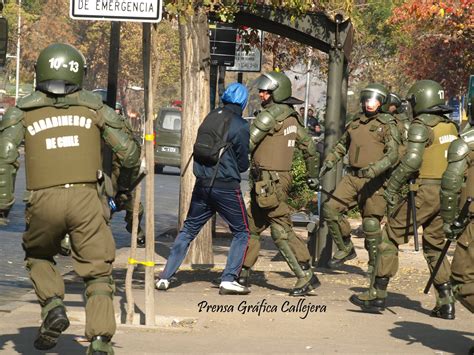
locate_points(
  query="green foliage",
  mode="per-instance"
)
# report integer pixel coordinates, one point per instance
(300, 194)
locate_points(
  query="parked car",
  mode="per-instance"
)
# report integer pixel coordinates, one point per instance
(167, 129)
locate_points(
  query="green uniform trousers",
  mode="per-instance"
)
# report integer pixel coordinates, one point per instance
(463, 266)
(399, 226)
(80, 212)
(278, 219)
(367, 193)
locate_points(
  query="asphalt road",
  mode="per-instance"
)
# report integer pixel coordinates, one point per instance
(14, 280)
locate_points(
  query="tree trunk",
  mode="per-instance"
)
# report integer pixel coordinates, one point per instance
(195, 63)
(150, 180)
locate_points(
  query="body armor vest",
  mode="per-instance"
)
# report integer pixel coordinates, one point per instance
(435, 156)
(468, 190)
(366, 141)
(62, 146)
(275, 151)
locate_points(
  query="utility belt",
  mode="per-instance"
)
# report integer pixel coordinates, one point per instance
(266, 188)
(350, 170)
(91, 185)
(428, 181)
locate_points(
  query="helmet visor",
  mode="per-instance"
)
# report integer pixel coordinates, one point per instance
(371, 96)
(264, 82)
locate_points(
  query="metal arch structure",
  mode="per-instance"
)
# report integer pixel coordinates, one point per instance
(334, 37)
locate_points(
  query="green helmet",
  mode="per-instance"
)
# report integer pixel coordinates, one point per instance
(60, 69)
(426, 96)
(277, 83)
(377, 91)
(373, 91)
(393, 100)
(119, 107)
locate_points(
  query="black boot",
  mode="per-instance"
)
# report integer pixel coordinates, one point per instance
(54, 323)
(445, 304)
(346, 253)
(100, 345)
(141, 241)
(306, 267)
(366, 300)
(303, 290)
(243, 278)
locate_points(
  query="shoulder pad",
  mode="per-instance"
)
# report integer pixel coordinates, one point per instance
(385, 117)
(468, 137)
(110, 117)
(458, 150)
(35, 99)
(11, 117)
(264, 121)
(280, 111)
(401, 116)
(418, 133)
(429, 120)
(89, 99)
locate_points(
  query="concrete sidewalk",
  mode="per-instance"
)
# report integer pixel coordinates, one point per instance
(194, 318)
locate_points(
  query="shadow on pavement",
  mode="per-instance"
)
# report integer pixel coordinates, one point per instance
(22, 342)
(445, 340)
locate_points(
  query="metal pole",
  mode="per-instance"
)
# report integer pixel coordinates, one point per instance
(213, 83)
(17, 89)
(114, 53)
(332, 129)
(306, 96)
(240, 77)
(150, 184)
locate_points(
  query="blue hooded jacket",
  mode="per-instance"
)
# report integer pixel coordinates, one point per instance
(235, 160)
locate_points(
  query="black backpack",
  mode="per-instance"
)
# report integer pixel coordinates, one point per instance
(211, 140)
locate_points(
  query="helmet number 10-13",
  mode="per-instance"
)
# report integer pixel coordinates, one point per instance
(58, 63)
(441, 94)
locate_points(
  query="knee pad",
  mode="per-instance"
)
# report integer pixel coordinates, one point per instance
(101, 286)
(278, 233)
(371, 227)
(329, 213)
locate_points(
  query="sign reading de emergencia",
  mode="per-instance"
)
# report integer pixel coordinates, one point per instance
(117, 10)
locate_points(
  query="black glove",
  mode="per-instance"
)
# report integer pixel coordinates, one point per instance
(452, 231)
(313, 183)
(121, 199)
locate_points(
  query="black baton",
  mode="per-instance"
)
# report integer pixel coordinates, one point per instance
(413, 213)
(320, 188)
(459, 222)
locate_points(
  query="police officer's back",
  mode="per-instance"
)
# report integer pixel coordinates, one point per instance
(62, 126)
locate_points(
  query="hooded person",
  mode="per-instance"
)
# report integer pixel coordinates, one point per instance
(217, 189)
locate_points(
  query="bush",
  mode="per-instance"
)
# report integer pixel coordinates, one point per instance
(300, 195)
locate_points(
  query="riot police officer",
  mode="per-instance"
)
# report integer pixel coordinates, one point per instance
(371, 141)
(401, 111)
(62, 125)
(274, 134)
(429, 137)
(456, 185)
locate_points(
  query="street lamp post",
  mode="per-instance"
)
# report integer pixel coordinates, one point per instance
(18, 53)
